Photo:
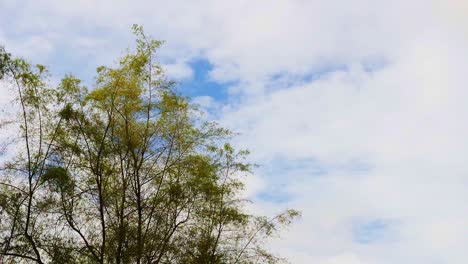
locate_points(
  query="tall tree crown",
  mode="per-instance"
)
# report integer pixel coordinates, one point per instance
(122, 173)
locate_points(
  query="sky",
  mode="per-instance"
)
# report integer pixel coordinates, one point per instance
(356, 110)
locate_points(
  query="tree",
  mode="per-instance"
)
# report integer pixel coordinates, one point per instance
(124, 173)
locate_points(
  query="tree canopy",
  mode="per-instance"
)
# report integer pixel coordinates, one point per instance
(125, 172)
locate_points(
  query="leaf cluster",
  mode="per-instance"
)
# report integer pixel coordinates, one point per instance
(124, 172)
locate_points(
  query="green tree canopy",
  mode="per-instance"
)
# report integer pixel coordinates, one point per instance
(122, 173)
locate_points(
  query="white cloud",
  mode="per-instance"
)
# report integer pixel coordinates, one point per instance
(344, 259)
(205, 102)
(178, 71)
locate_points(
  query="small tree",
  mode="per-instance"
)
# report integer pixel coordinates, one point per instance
(124, 173)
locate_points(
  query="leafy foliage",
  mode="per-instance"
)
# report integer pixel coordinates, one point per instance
(123, 173)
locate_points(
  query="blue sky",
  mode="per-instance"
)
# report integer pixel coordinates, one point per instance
(200, 83)
(355, 109)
